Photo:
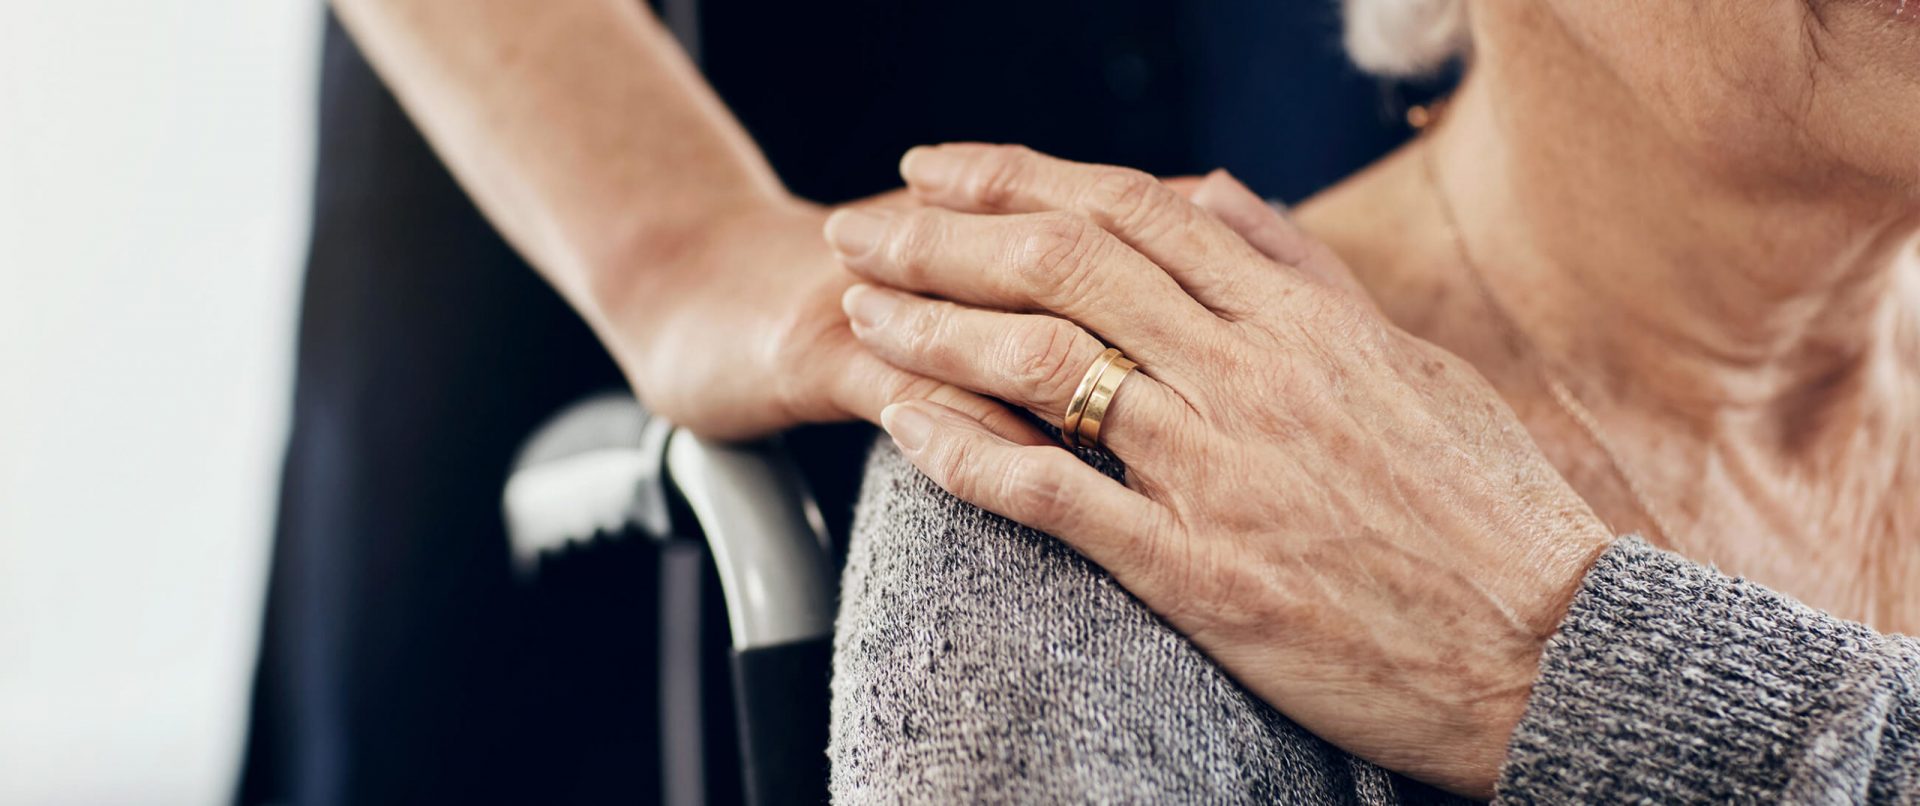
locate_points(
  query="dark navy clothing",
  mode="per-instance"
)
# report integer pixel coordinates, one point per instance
(393, 665)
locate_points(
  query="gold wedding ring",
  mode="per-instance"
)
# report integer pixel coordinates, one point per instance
(1088, 407)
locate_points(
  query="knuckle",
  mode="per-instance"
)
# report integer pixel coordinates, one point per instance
(1033, 487)
(998, 174)
(1127, 199)
(1344, 330)
(1042, 360)
(950, 465)
(1330, 335)
(1344, 316)
(909, 241)
(923, 331)
(1055, 260)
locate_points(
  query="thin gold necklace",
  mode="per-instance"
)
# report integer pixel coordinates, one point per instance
(1423, 118)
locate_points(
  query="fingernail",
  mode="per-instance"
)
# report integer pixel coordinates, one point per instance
(854, 232)
(868, 306)
(909, 426)
(924, 167)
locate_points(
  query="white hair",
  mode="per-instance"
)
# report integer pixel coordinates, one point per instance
(1405, 37)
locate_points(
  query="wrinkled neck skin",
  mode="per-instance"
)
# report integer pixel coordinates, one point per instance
(1744, 325)
(1742, 302)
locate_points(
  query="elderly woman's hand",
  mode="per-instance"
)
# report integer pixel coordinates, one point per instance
(1350, 520)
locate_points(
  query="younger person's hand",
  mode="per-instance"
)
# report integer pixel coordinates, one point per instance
(751, 339)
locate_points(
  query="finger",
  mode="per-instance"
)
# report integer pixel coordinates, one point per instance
(868, 385)
(1183, 185)
(1270, 231)
(1265, 228)
(1045, 488)
(1055, 262)
(1036, 362)
(1206, 257)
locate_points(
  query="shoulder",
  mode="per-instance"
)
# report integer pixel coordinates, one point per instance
(976, 659)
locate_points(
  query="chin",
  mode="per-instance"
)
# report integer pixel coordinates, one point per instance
(1886, 31)
(1898, 12)
(1864, 88)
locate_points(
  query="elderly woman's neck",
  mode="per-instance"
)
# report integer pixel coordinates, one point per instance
(1656, 272)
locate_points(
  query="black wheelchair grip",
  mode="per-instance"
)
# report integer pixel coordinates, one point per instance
(782, 695)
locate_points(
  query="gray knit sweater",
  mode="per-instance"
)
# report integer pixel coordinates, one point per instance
(981, 661)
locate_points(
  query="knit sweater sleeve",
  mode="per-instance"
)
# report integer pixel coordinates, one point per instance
(1671, 682)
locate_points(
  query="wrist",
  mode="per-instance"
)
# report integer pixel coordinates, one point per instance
(637, 275)
(1564, 567)
(1558, 574)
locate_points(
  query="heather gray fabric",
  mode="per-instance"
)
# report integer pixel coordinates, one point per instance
(1670, 682)
(980, 661)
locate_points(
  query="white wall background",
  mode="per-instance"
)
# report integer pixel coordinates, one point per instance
(154, 166)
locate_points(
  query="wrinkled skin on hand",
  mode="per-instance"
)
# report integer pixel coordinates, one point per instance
(1348, 519)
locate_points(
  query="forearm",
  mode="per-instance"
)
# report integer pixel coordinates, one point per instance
(1670, 682)
(578, 126)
